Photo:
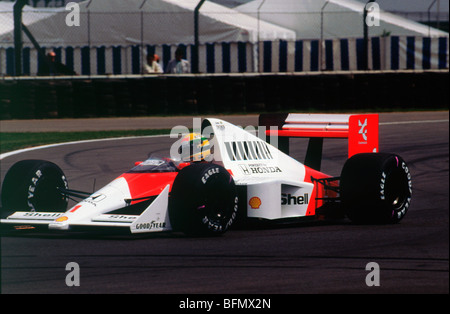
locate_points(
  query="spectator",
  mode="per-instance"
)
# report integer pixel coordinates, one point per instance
(178, 65)
(53, 67)
(153, 65)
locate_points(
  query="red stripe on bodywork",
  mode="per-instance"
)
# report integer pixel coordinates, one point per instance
(74, 209)
(148, 184)
(338, 133)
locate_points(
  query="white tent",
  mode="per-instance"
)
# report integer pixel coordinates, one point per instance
(155, 22)
(263, 35)
(30, 16)
(340, 19)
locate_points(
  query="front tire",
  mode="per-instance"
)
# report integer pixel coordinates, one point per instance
(32, 186)
(203, 200)
(375, 188)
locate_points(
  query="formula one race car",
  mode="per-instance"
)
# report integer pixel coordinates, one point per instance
(223, 174)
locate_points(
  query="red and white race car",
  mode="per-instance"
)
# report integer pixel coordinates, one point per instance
(223, 175)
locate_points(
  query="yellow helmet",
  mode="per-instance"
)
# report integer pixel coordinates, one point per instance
(194, 147)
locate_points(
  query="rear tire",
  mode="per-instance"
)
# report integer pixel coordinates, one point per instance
(32, 185)
(203, 200)
(375, 188)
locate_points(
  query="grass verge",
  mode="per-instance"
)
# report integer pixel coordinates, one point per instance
(17, 140)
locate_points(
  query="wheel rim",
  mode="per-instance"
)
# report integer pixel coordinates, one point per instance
(397, 190)
(47, 196)
(217, 200)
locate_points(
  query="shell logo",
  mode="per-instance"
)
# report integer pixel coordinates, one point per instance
(255, 202)
(61, 219)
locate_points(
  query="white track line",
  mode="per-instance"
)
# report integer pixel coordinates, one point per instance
(19, 151)
(15, 152)
(413, 122)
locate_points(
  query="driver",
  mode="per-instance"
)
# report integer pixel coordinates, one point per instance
(195, 148)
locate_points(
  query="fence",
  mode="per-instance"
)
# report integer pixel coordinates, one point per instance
(90, 50)
(385, 53)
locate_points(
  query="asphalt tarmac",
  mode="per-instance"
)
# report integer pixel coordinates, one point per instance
(312, 258)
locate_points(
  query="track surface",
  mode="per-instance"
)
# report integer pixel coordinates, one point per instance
(304, 258)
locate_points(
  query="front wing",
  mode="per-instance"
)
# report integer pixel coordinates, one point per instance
(154, 218)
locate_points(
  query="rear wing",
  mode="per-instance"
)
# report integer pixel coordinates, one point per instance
(361, 130)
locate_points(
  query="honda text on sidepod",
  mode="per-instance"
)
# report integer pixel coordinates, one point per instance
(229, 174)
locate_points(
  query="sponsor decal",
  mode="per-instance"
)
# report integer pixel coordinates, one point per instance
(122, 217)
(363, 130)
(151, 225)
(400, 211)
(248, 150)
(212, 225)
(255, 202)
(43, 215)
(96, 198)
(209, 173)
(259, 169)
(408, 175)
(288, 199)
(220, 126)
(32, 188)
(62, 219)
(220, 225)
(383, 181)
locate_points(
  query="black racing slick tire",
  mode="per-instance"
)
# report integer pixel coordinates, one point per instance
(203, 200)
(32, 185)
(375, 188)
